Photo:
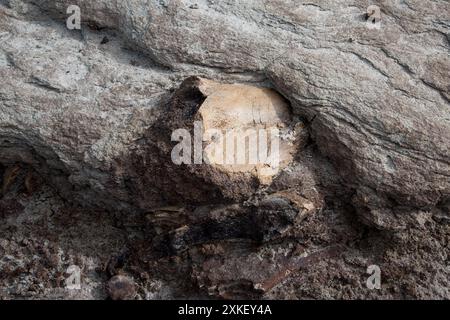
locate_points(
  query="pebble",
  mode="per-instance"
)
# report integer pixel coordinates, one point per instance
(121, 287)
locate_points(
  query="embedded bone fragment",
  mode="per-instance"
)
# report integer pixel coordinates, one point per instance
(246, 129)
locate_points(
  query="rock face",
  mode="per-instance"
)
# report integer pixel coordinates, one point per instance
(362, 117)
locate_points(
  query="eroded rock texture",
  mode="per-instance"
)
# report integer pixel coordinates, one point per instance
(86, 118)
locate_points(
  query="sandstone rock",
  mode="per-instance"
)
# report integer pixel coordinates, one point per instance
(389, 134)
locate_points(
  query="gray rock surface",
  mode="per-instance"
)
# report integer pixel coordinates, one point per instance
(92, 118)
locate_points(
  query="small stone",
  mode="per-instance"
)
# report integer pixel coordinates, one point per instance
(105, 40)
(121, 288)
